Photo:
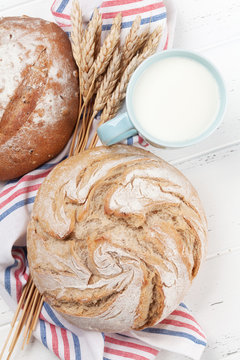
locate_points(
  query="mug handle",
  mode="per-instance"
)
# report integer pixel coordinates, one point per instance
(117, 129)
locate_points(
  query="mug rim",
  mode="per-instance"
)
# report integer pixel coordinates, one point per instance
(177, 53)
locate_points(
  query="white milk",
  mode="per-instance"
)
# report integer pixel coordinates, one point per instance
(176, 99)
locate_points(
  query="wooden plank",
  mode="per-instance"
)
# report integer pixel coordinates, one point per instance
(204, 23)
(215, 293)
(217, 179)
(214, 298)
(5, 313)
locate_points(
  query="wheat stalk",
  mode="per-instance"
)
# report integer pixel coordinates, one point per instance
(30, 303)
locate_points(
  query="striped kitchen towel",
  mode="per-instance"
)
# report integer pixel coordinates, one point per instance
(179, 333)
(152, 12)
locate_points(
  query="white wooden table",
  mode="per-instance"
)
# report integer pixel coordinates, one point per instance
(211, 27)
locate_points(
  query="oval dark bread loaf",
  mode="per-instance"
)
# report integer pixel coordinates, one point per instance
(116, 237)
(38, 93)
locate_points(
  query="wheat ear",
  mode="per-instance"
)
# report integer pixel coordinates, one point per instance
(142, 39)
(119, 93)
(86, 71)
(88, 46)
(87, 68)
(129, 47)
(77, 38)
(108, 82)
(105, 54)
(106, 88)
(113, 104)
(108, 47)
(77, 31)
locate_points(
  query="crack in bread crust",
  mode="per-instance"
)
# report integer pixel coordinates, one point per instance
(115, 239)
(25, 98)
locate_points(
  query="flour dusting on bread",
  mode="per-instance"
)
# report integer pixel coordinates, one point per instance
(38, 93)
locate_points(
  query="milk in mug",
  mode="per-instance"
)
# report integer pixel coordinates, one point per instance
(175, 99)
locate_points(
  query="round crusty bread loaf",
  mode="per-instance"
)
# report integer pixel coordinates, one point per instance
(38, 93)
(116, 237)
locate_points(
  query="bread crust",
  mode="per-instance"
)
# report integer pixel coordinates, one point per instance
(115, 239)
(38, 93)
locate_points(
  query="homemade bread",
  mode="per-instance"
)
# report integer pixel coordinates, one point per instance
(116, 237)
(38, 93)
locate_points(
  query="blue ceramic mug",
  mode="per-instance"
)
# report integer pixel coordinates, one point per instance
(126, 125)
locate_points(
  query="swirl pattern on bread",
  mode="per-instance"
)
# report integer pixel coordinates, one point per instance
(116, 237)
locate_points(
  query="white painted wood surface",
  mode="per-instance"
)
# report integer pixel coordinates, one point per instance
(211, 27)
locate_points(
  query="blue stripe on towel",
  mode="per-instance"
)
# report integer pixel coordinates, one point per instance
(62, 6)
(53, 316)
(128, 24)
(17, 206)
(76, 347)
(175, 333)
(7, 276)
(43, 332)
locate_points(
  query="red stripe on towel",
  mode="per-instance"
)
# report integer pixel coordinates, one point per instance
(133, 11)
(131, 345)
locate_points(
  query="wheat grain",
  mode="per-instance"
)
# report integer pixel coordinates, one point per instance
(77, 31)
(98, 82)
(151, 44)
(98, 36)
(108, 47)
(142, 38)
(129, 47)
